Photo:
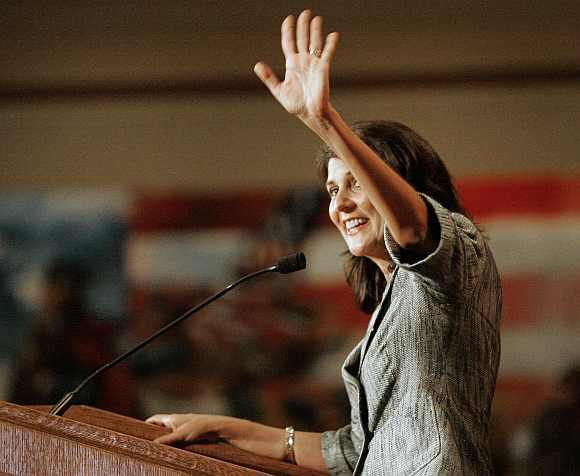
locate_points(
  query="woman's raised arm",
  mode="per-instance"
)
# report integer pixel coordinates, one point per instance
(305, 93)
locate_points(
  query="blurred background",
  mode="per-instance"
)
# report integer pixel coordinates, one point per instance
(144, 167)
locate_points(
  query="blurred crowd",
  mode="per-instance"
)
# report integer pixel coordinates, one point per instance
(259, 352)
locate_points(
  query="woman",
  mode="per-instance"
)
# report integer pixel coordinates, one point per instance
(421, 381)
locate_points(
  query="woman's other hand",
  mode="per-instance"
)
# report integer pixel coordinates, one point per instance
(305, 89)
(185, 427)
(244, 434)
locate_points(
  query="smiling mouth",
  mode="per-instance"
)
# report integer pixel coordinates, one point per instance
(352, 225)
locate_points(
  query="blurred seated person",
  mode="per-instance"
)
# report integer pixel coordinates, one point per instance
(165, 372)
(66, 344)
(556, 433)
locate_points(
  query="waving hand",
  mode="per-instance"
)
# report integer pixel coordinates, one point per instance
(305, 89)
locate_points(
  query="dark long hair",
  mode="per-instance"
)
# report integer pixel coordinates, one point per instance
(413, 158)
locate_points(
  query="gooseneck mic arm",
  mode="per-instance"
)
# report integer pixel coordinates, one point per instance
(285, 265)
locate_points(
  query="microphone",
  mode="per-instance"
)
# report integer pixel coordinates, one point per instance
(285, 265)
(291, 263)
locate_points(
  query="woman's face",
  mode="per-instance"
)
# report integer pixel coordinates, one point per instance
(353, 214)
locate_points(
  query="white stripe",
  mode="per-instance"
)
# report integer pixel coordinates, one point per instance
(87, 203)
(536, 245)
(323, 250)
(207, 258)
(545, 350)
(520, 245)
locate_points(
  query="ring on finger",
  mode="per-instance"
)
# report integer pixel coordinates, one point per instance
(316, 52)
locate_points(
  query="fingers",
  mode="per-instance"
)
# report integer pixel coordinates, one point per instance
(303, 31)
(172, 421)
(289, 36)
(316, 38)
(167, 439)
(267, 76)
(304, 35)
(160, 420)
(166, 421)
(185, 427)
(330, 46)
(185, 432)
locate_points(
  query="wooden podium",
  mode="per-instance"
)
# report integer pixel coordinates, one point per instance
(88, 441)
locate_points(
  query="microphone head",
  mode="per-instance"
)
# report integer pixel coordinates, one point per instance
(291, 263)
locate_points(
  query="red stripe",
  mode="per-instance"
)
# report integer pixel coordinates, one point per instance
(544, 196)
(486, 198)
(187, 211)
(528, 301)
(518, 399)
(334, 301)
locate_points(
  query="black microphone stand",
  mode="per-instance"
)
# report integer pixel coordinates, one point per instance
(66, 401)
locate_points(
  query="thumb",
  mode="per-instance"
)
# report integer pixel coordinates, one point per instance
(268, 77)
(169, 438)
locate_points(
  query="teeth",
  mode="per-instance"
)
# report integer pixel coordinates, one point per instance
(354, 222)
